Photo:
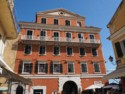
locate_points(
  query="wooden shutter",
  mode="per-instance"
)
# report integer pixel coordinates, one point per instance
(30, 70)
(51, 68)
(36, 67)
(118, 49)
(46, 70)
(61, 68)
(20, 67)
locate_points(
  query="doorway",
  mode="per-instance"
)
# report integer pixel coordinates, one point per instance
(70, 87)
(38, 91)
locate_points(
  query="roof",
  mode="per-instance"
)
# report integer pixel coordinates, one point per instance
(61, 10)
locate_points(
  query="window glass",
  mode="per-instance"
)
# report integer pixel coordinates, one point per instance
(42, 35)
(94, 52)
(69, 51)
(56, 50)
(70, 68)
(29, 34)
(42, 50)
(56, 21)
(82, 51)
(27, 49)
(43, 20)
(96, 67)
(56, 68)
(84, 67)
(42, 68)
(67, 23)
(79, 24)
(27, 67)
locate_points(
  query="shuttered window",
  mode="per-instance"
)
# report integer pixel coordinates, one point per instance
(96, 67)
(84, 67)
(41, 67)
(27, 49)
(42, 50)
(25, 67)
(118, 49)
(82, 51)
(94, 51)
(56, 50)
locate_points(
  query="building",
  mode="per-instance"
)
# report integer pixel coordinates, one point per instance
(117, 37)
(59, 53)
(8, 34)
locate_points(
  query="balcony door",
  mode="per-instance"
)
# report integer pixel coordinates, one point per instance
(80, 37)
(68, 37)
(29, 34)
(92, 38)
(56, 36)
(42, 35)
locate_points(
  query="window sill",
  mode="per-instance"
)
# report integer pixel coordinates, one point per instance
(82, 55)
(71, 73)
(42, 54)
(41, 73)
(97, 72)
(25, 73)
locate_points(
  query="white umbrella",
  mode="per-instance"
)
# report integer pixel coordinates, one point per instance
(94, 86)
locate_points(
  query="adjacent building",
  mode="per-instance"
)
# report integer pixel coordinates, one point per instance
(59, 53)
(117, 37)
(8, 35)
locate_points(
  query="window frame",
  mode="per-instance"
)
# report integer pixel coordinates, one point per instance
(68, 22)
(96, 52)
(29, 36)
(80, 52)
(70, 62)
(86, 67)
(56, 37)
(43, 21)
(98, 66)
(56, 62)
(79, 24)
(45, 50)
(54, 49)
(23, 68)
(25, 49)
(67, 51)
(43, 37)
(42, 62)
(57, 21)
(67, 37)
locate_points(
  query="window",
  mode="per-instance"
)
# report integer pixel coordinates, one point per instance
(124, 43)
(80, 37)
(84, 67)
(69, 51)
(27, 49)
(79, 24)
(118, 49)
(92, 38)
(96, 67)
(82, 51)
(42, 50)
(94, 52)
(27, 67)
(67, 23)
(29, 34)
(56, 50)
(42, 35)
(70, 68)
(56, 36)
(43, 20)
(57, 68)
(68, 37)
(41, 67)
(56, 21)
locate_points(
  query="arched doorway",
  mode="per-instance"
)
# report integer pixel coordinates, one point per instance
(19, 89)
(70, 87)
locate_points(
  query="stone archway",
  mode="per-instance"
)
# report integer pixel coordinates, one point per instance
(70, 87)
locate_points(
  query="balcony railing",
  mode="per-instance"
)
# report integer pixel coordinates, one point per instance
(59, 39)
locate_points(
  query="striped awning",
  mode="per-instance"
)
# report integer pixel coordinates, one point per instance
(116, 74)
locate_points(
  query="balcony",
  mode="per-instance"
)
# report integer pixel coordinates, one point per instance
(58, 40)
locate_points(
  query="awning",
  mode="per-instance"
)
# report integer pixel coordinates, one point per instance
(94, 86)
(115, 74)
(3, 89)
(14, 77)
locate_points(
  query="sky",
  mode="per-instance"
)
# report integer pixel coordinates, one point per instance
(97, 13)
